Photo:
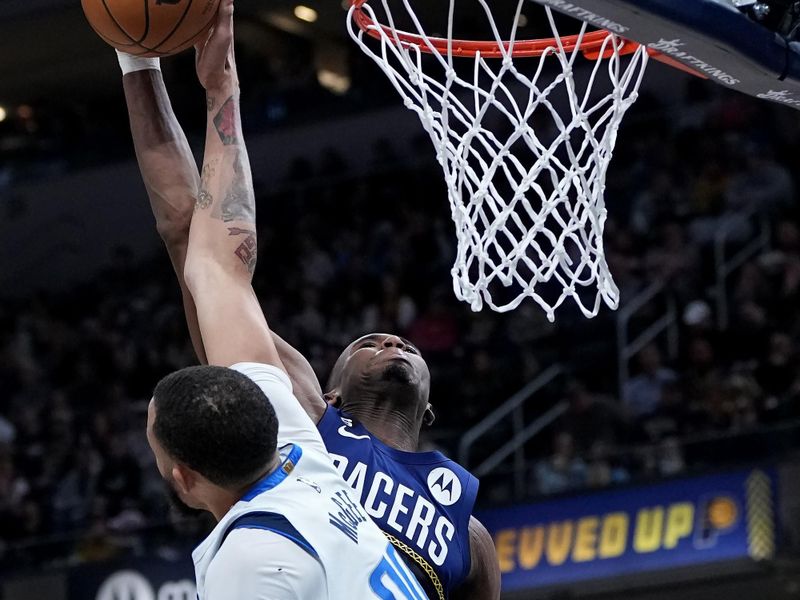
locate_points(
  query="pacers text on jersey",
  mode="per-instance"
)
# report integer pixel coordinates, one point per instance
(408, 513)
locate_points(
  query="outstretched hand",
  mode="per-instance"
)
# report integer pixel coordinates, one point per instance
(215, 61)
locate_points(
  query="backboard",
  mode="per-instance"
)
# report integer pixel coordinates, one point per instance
(721, 40)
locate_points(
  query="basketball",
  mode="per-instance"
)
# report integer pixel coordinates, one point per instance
(151, 28)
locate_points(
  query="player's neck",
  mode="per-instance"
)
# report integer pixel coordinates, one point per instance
(390, 426)
(223, 499)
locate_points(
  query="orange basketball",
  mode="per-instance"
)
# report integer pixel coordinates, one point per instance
(151, 27)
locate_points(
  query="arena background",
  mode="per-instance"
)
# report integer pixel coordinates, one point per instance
(651, 451)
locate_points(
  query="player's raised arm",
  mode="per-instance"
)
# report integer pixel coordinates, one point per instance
(222, 242)
(222, 246)
(173, 184)
(167, 166)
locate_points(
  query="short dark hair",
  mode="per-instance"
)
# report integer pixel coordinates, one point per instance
(335, 378)
(216, 421)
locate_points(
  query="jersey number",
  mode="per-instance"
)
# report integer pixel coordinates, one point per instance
(391, 573)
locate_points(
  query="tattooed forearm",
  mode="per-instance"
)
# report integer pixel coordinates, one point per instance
(239, 231)
(226, 123)
(204, 197)
(239, 201)
(247, 250)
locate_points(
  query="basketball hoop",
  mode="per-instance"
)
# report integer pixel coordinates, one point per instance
(524, 154)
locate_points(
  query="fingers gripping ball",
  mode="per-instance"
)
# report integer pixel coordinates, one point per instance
(151, 27)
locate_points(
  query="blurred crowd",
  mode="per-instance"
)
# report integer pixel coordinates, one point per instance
(342, 255)
(54, 134)
(710, 178)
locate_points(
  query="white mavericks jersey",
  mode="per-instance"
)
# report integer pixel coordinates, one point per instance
(307, 502)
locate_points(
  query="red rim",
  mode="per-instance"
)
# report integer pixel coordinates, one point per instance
(590, 43)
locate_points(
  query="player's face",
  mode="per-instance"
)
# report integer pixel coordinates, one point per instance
(380, 360)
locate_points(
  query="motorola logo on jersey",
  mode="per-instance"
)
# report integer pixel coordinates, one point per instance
(444, 486)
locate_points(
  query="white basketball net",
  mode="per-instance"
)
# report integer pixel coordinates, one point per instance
(524, 157)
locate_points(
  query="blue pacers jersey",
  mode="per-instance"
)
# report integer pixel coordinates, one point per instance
(421, 500)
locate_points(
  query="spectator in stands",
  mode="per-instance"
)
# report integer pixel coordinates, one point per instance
(642, 394)
(435, 331)
(603, 468)
(120, 477)
(563, 470)
(671, 416)
(97, 544)
(310, 319)
(14, 489)
(591, 418)
(675, 260)
(761, 181)
(654, 202)
(777, 371)
(702, 376)
(486, 381)
(74, 491)
(624, 259)
(394, 310)
(741, 400)
(782, 268)
(670, 460)
(750, 319)
(7, 431)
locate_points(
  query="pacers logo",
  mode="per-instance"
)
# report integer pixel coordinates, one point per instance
(717, 516)
(722, 513)
(444, 486)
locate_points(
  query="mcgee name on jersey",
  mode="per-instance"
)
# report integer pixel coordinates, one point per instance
(400, 508)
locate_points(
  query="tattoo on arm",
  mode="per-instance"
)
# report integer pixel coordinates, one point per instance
(225, 123)
(239, 201)
(247, 250)
(204, 197)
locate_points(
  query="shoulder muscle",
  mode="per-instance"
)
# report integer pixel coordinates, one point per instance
(483, 581)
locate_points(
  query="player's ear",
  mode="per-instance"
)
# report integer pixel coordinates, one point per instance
(333, 398)
(429, 417)
(183, 478)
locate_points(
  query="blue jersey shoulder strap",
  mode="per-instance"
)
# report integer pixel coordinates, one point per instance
(273, 522)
